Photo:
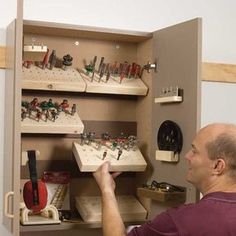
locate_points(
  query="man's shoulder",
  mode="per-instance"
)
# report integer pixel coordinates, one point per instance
(190, 208)
(183, 208)
(207, 203)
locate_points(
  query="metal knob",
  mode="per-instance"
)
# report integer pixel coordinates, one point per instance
(150, 66)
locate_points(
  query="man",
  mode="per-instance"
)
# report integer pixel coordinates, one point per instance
(212, 169)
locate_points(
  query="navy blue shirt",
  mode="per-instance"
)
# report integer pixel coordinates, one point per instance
(213, 215)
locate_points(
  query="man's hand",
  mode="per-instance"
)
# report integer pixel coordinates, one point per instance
(112, 223)
(104, 179)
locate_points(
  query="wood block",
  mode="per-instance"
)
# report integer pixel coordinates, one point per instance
(129, 86)
(40, 220)
(219, 72)
(55, 79)
(169, 156)
(89, 158)
(64, 124)
(2, 57)
(130, 208)
(162, 196)
(34, 52)
(168, 99)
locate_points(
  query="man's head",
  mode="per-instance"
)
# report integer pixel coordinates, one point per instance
(212, 158)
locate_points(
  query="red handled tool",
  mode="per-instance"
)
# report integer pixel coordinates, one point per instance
(35, 191)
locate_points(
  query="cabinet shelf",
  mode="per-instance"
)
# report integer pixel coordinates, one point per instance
(35, 78)
(67, 225)
(129, 86)
(71, 225)
(64, 124)
(130, 208)
(170, 99)
(56, 79)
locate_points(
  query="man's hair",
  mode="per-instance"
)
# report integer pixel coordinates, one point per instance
(224, 146)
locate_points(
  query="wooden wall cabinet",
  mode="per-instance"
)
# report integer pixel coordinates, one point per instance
(176, 51)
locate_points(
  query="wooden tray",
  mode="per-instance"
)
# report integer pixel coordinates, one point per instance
(162, 196)
(55, 79)
(89, 158)
(129, 86)
(130, 208)
(64, 124)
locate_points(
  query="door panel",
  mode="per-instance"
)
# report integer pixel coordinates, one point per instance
(9, 124)
(177, 51)
(12, 147)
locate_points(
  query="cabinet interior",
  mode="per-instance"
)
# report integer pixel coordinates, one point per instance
(111, 113)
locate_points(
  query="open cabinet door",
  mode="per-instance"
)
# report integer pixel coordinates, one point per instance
(12, 146)
(177, 52)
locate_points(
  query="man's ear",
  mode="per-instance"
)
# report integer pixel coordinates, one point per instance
(219, 166)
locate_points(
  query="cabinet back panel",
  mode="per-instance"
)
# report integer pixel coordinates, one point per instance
(86, 50)
(93, 107)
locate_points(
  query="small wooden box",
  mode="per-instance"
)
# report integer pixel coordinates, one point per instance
(34, 52)
(162, 196)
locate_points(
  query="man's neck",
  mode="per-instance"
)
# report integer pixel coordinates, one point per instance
(219, 185)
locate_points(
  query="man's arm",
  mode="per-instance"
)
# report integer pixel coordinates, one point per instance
(111, 220)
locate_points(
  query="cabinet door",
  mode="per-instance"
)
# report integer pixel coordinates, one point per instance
(177, 51)
(12, 147)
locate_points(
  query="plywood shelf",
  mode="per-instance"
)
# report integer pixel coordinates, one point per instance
(73, 224)
(129, 86)
(56, 79)
(71, 80)
(64, 124)
(90, 208)
(67, 225)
